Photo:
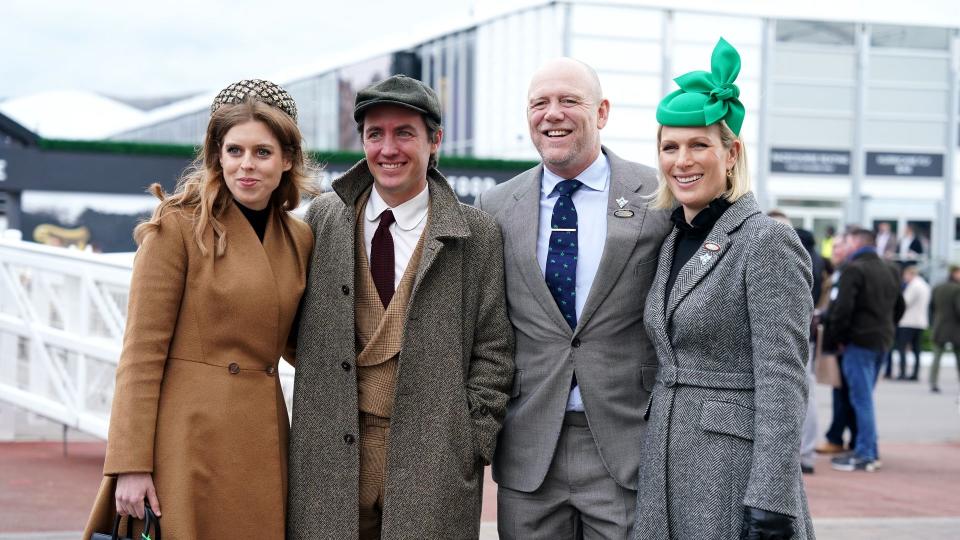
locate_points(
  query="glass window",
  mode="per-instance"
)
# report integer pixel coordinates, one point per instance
(909, 37)
(816, 32)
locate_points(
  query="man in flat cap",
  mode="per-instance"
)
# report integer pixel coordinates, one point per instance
(405, 352)
(582, 250)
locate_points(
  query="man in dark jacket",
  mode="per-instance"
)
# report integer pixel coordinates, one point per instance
(862, 323)
(946, 321)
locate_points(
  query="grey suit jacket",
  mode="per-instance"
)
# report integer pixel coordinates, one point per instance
(609, 350)
(726, 412)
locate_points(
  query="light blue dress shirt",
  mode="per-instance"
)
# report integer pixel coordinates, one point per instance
(591, 202)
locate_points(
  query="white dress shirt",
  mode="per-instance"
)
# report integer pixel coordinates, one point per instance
(591, 201)
(411, 220)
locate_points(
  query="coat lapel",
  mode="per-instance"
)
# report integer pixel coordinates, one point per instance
(705, 260)
(445, 222)
(257, 261)
(521, 224)
(622, 234)
(658, 289)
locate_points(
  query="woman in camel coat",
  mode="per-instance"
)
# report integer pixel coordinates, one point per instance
(199, 425)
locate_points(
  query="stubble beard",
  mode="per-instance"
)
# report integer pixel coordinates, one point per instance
(564, 160)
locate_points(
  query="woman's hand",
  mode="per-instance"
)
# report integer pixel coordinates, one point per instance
(132, 488)
(765, 525)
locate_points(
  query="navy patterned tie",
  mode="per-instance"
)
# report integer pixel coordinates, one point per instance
(561, 272)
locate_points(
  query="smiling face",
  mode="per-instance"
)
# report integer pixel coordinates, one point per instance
(253, 162)
(565, 113)
(397, 148)
(694, 164)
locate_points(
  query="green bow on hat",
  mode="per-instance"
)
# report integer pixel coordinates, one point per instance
(706, 98)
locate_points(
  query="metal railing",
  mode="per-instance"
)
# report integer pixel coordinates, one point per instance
(62, 315)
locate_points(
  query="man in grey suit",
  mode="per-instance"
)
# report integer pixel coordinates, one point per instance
(580, 250)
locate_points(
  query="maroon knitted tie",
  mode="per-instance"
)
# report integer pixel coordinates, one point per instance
(381, 258)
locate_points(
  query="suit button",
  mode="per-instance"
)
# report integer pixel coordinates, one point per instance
(271, 370)
(348, 438)
(345, 289)
(345, 366)
(234, 368)
(575, 342)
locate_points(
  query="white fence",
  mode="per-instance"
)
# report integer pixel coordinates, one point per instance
(62, 314)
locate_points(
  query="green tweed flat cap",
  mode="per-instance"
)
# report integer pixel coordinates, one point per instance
(706, 98)
(399, 90)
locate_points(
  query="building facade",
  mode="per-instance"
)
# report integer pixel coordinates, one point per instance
(851, 113)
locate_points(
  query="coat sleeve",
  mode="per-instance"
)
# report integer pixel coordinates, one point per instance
(303, 242)
(491, 357)
(779, 305)
(156, 290)
(840, 315)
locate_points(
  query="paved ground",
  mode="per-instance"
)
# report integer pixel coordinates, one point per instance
(915, 496)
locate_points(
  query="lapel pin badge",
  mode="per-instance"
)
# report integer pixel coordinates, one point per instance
(710, 246)
(623, 213)
(621, 202)
(705, 258)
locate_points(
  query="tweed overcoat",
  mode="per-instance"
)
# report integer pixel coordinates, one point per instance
(609, 350)
(454, 373)
(726, 413)
(198, 401)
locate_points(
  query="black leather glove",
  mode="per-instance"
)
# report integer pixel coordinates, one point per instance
(765, 525)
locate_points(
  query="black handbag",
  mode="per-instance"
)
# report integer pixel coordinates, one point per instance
(151, 527)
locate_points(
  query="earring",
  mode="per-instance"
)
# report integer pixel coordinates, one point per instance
(730, 173)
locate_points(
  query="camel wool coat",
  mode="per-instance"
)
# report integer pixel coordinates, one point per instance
(198, 401)
(454, 373)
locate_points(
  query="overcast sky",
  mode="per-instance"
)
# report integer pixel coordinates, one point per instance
(140, 48)
(143, 49)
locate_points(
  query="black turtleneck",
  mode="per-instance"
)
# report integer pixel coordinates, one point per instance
(690, 236)
(257, 218)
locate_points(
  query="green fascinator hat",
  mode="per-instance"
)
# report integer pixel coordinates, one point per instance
(705, 98)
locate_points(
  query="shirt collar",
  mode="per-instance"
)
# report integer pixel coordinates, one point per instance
(408, 215)
(594, 177)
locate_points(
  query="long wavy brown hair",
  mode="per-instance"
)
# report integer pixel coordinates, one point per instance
(201, 189)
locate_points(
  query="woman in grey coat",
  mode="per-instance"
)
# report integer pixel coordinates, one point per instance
(728, 313)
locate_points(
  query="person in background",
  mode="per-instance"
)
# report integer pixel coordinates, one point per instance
(910, 247)
(808, 439)
(946, 323)
(886, 241)
(916, 297)
(199, 423)
(861, 326)
(729, 314)
(826, 245)
(842, 418)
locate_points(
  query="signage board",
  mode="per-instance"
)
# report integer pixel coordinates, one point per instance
(904, 164)
(809, 161)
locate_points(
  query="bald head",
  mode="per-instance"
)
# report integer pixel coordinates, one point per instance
(574, 71)
(565, 113)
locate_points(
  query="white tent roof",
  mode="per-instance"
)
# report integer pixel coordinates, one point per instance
(70, 114)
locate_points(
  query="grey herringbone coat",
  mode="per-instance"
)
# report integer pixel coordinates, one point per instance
(454, 374)
(726, 412)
